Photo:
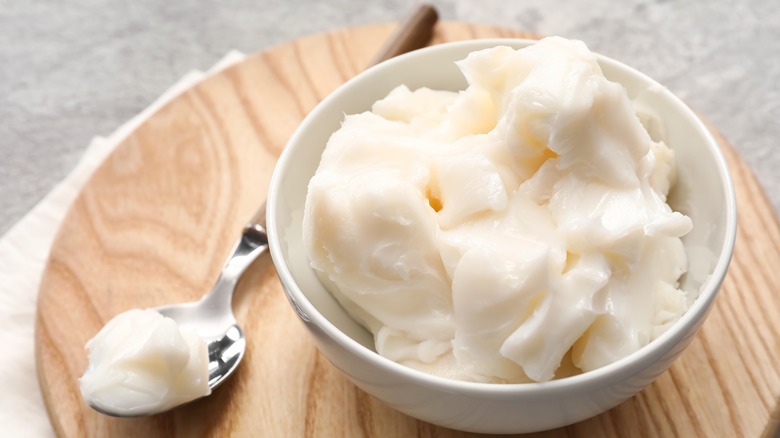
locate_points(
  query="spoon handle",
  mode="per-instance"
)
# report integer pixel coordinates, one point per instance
(253, 242)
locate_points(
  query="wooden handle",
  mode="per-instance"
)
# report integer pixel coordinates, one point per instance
(414, 32)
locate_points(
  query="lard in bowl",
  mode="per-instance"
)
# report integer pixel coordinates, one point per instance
(516, 231)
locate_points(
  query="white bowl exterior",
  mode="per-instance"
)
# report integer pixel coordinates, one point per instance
(704, 192)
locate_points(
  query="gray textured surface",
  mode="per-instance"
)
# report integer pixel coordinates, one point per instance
(72, 70)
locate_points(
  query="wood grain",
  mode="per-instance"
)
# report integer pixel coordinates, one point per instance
(156, 221)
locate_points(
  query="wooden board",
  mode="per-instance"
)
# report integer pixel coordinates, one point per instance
(156, 221)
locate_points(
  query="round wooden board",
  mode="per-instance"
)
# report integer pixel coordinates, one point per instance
(156, 221)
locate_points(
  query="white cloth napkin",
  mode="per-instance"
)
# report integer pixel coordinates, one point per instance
(24, 250)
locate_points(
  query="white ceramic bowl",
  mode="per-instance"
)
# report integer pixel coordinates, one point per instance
(704, 192)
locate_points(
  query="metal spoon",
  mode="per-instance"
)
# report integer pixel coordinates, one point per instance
(212, 317)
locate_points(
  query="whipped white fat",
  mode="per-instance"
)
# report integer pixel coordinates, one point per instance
(141, 363)
(516, 231)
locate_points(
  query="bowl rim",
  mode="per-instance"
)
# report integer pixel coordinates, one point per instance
(587, 381)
